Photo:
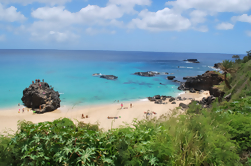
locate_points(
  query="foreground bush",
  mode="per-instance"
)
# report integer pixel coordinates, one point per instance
(186, 140)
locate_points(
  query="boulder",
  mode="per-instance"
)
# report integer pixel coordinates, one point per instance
(109, 77)
(192, 90)
(182, 105)
(176, 81)
(173, 102)
(157, 97)
(158, 101)
(151, 99)
(170, 77)
(192, 60)
(40, 94)
(217, 65)
(171, 99)
(147, 74)
(216, 92)
(208, 100)
(201, 91)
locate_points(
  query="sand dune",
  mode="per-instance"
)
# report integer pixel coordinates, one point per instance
(10, 117)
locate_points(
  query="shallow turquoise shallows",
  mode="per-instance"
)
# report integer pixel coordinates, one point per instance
(70, 73)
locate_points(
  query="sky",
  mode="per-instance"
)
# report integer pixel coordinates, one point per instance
(203, 26)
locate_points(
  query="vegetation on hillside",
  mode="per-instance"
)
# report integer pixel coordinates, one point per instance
(219, 135)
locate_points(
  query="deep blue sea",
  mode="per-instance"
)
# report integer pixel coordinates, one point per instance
(70, 73)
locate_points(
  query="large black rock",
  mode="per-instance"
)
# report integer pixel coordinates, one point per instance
(170, 77)
(217, 65)
(41, 94)
(147, 74)
(109, 77)
(201, 82)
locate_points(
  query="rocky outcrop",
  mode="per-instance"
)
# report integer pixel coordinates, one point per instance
(216, 92)
(185, 78)
(217, 65)
(201, 82)
(41, 97)
(170, 77)
(192, 60)
(147, 74)
(109, 77)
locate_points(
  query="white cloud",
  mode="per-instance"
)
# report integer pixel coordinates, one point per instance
(130, 2)
(225, 26)
(242, 18)
(162, 20)
(91, 14)
(2, 37)
(202, 28)
(212, 6)
(248, 33)
(10, 14)
(26, 2)
(198, 16)
(92, 31)
(54, 36)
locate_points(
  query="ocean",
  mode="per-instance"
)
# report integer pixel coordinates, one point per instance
(70, 73)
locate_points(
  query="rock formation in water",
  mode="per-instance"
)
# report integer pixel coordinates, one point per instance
(147, 74)
(170, 77)
(192, 60)
(217, 65)
(201, 82)
(41, 97)
(109, 77)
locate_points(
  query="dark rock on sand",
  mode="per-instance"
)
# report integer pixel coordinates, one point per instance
(207, 101)
(170, 77)
(43, 96)
(192, 90)
(157, 97)
(183, 105)
(173, 102)
(171, 99)
(109, 77)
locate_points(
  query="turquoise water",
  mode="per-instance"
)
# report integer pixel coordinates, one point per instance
(70, 73)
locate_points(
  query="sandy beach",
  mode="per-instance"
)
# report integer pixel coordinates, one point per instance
(10, 117)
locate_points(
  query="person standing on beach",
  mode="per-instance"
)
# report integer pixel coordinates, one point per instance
(121, 105)
(131, 105)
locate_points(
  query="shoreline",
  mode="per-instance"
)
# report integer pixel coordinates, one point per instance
(96, 113)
